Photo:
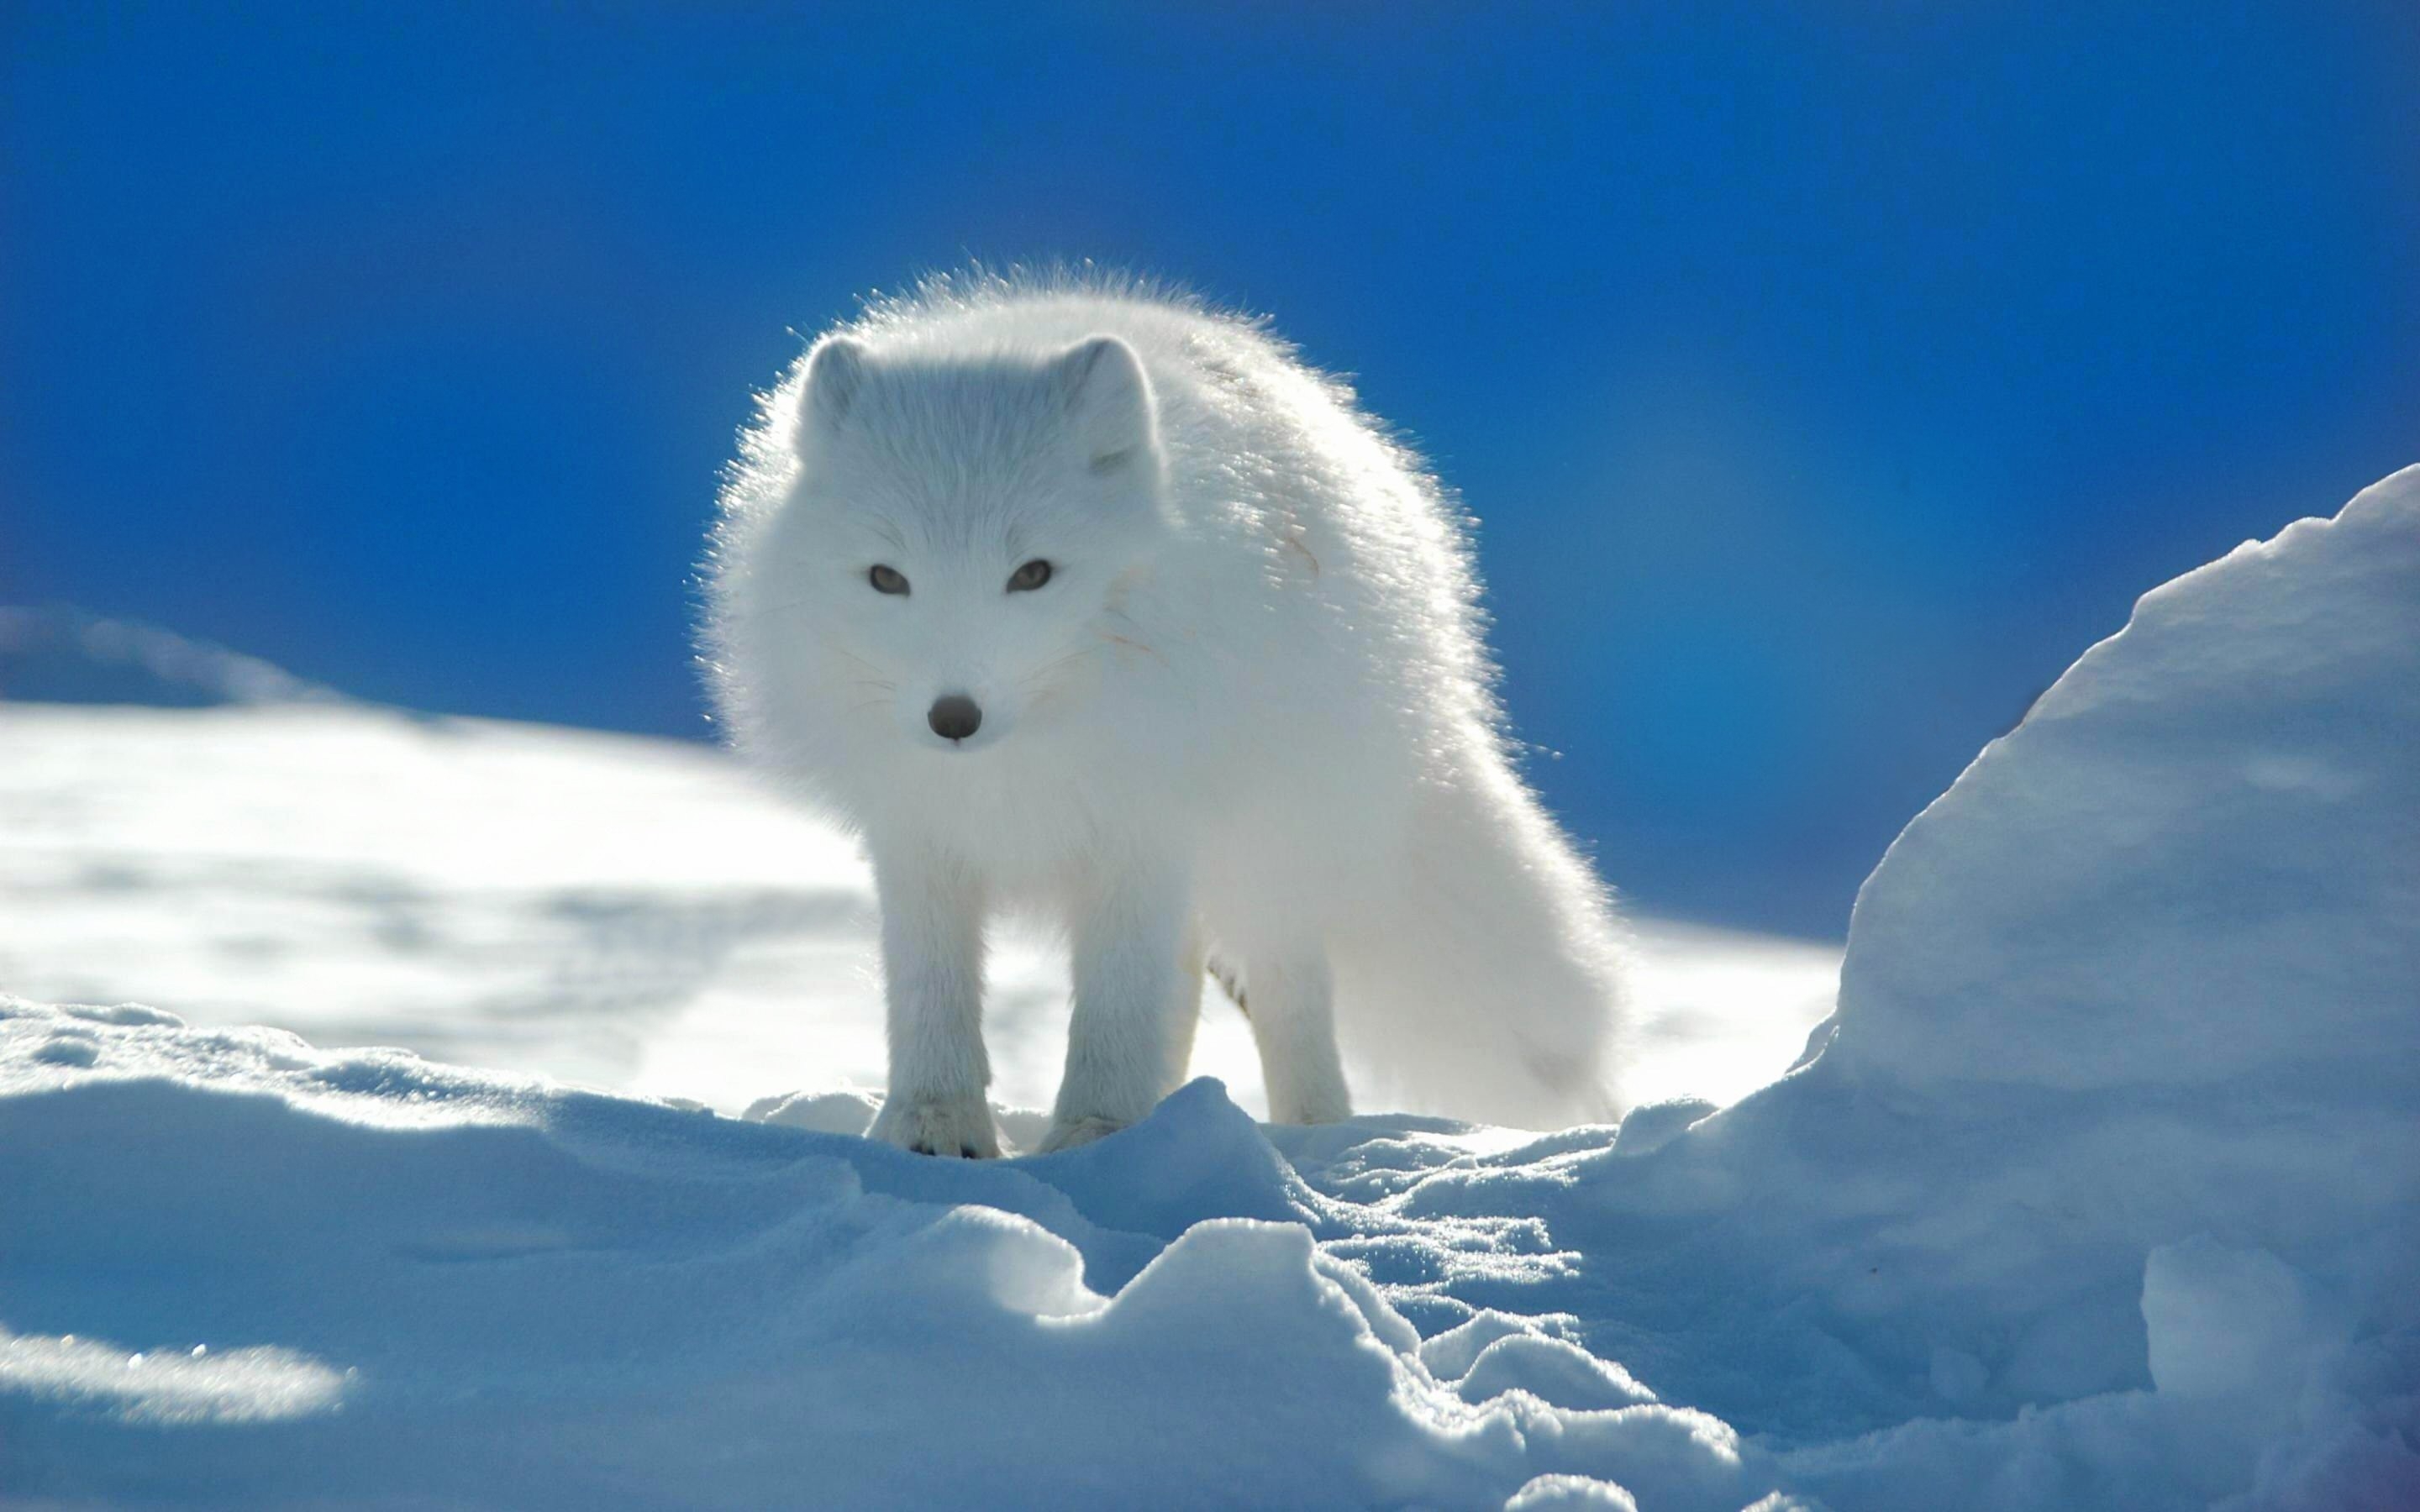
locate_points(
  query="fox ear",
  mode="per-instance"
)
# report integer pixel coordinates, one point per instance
(1108, 397)
(835, 372)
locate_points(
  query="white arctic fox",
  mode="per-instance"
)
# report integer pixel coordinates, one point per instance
(1084, 602)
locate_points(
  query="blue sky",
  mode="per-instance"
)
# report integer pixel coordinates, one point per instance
(1825, 375)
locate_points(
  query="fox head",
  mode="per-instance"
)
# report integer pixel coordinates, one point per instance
(964, 533)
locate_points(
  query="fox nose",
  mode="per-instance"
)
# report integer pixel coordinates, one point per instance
(955, 716)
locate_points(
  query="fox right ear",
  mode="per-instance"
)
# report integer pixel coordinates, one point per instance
(835, 372)
(1103, 384)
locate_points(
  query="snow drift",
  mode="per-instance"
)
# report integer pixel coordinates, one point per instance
(2101, 1190)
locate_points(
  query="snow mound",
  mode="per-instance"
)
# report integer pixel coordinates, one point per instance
(416, 1285)
(70, 656)
(2146, 980)
(2101, 1191)
(2172, 871)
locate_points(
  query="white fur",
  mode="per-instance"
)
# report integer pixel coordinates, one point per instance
(1249, 719)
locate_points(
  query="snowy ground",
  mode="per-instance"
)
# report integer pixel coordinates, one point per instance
(609, 910)
(2104, 1192)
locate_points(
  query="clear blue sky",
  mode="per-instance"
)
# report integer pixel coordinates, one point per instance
(1826, 376)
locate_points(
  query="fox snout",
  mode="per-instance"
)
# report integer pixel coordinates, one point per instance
(955, 716)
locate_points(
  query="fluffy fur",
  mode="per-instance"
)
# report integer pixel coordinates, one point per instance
(1248, 723)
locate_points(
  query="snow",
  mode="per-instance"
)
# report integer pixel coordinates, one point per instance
(432, 1283)
(605, 909)
(2228, 1322)
(2101, 1190)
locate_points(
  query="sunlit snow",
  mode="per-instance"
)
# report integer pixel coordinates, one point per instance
(2101, 1191)
(604, 909)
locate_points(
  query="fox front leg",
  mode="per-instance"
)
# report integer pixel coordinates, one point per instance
(933, 981)
(1291, 995)
(1134, 975)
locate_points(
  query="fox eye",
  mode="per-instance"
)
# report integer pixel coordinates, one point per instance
(887, 579)
(1030, 576)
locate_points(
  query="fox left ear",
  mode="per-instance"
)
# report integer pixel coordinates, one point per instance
(835, 371)
(1107, 395)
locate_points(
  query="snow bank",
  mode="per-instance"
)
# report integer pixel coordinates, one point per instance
(68, 655)
(2121, 1129)
(2152, 965)
(412, 1284)
(2189, 865)
(2103, 1191)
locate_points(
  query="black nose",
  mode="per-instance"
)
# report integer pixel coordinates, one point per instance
(955, 716)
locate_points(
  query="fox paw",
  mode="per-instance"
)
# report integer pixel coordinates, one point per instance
(955, 1126)
(1067, 1134)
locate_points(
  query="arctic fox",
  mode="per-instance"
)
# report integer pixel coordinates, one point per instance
(1086, 602)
